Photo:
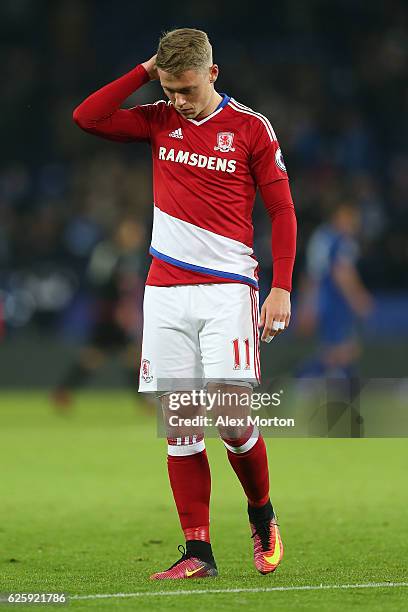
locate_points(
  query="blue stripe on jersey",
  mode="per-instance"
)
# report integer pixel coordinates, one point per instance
(225, 99)
(194, 268)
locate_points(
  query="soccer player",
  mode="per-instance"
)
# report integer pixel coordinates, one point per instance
(114, 277)
(333, 294)
(210, 153)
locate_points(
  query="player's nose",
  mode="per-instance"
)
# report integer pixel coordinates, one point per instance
(180, 100)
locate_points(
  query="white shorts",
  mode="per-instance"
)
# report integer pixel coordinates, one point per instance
(199, 333)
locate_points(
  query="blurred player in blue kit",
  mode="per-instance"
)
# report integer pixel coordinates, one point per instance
(333, 297)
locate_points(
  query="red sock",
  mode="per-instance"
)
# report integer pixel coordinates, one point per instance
(190, 480)
(248, 458)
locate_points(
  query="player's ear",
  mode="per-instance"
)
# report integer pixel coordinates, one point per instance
(214, 73)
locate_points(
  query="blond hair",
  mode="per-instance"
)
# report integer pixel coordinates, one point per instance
(184, 49)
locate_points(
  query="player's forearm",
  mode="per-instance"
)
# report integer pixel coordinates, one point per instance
(353, 290)
(284, 229)
(105, 101)
(279, 205)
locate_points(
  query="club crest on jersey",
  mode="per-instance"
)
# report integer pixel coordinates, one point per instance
(224, 142)
(145, 367)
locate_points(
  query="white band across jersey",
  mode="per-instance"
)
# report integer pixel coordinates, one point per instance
(191, 247)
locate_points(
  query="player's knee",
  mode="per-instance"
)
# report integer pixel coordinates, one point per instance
(182, 419)
(231, 432)
(232, 408)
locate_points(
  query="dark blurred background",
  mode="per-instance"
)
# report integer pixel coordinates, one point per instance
(330, 76)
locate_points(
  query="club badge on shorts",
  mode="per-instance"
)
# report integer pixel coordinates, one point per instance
(224, 142)
(145, 367)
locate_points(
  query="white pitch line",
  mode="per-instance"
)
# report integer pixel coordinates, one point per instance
(311, 587)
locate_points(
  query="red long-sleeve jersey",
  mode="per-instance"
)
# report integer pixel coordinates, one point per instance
(205, 176)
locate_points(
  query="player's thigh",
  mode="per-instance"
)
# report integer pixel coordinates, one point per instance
(229, 340)
(170, 349)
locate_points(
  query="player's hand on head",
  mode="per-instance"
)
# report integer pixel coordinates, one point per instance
(275, 313)
(151, 68)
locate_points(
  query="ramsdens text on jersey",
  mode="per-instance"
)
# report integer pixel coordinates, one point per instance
(194, 159)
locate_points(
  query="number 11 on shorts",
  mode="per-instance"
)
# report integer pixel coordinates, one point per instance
(237, 354)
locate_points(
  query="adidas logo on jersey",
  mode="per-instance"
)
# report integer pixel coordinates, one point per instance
(176, 134)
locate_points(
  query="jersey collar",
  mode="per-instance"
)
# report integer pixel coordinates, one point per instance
(222, 104)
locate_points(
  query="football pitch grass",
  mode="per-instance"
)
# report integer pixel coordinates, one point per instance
(86, 509)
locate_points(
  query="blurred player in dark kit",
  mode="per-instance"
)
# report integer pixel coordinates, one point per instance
(116, 278)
